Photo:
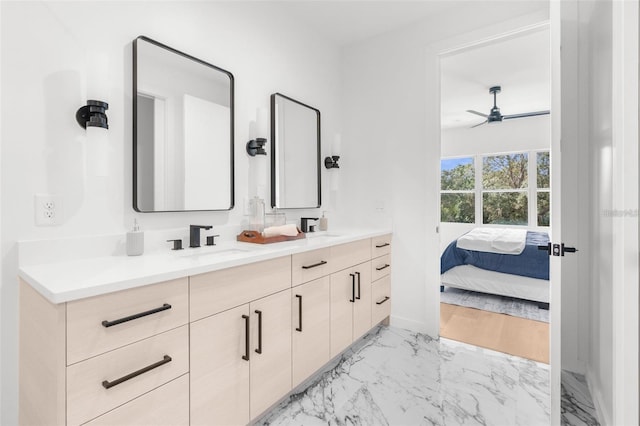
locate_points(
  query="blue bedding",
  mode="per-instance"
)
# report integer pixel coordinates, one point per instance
(531, 262)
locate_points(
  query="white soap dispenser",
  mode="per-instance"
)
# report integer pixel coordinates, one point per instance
(135, 240)
(324, 222)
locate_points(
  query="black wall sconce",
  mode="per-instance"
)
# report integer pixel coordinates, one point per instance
(256, 147)
(93, 115)
(332, 162)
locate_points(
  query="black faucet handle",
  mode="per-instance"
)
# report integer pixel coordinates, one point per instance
(177, 244)
(205, 227)
(211, 240)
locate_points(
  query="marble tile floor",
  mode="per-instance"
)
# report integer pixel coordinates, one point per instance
(397, 377)
(577, 405)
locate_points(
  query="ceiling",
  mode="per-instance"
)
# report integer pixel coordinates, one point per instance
(350, 21)
(520, 64)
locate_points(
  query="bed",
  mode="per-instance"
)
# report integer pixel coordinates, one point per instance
(497, 267)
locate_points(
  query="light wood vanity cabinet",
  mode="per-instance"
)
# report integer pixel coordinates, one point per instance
(350, 306)
(219, 348)
(311, 327)
(241, 361)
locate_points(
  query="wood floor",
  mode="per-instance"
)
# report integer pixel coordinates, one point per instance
(503, 333)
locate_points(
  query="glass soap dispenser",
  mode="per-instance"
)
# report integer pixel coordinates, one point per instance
(324, 222)
(256, 218)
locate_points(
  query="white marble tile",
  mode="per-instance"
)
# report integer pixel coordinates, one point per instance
(396, 377)
(577, 405)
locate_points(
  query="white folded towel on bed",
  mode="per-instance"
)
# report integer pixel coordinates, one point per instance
(494, 240)
(290, 230)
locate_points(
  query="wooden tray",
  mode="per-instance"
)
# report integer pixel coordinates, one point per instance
(257, 238)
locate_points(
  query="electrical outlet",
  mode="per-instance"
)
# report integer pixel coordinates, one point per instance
(48, 209)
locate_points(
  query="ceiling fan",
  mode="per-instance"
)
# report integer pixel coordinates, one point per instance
(495, 116)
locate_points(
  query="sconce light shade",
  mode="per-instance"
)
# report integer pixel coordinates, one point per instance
(332, 162)
(93, 115)
(256, 147)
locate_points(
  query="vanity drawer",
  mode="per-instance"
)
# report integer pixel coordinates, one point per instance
(380, 245)
(380, 299)
(164, 357)
(92, 324)
(165, 406)
(344, 256)
(380, 267)
(310, 265)
(218, 291)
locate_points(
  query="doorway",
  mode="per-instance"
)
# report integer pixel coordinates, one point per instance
(494, 193)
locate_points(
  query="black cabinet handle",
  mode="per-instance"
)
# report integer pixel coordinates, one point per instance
(353, 288)
(358, 274)
(322, 262)
(246, 338)
(259, 350)
(299, 328)
(107, 384)
(386, 265)
(383, 300)
(164, 307)
(383, 245)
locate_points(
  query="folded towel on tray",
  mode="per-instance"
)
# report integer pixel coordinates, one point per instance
(494, 240)
(290, 230)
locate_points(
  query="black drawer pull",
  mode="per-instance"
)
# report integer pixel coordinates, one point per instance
(353, 288)
(386, 265)
(322, 262)
(107, 384)
(246, 337)
(383, 245)
(299, 328)
(358, 297)
(259, 350)
(164, 307)
(383, 300)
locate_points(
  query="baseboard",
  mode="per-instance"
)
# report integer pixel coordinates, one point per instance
(602, 413)
(411, 325)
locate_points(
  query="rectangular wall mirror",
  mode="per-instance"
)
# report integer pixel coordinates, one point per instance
(182, 131)
(295, 154)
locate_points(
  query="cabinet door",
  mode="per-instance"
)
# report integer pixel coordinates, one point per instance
(310, 328)
(270, 350)
(362, 306)
(219, 373)
(343, 292)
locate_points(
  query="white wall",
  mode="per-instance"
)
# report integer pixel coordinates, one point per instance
(608, 107)
(518, 135)
(391, 141)
(44, 45)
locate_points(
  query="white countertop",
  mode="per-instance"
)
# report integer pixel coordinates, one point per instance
(69, 280)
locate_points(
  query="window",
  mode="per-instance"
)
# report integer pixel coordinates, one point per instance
(505, 189)
(457, 185)
(543, 185)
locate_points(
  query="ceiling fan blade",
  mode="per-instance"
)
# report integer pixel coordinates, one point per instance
(479, 124)
(477, 113)
(525, 114)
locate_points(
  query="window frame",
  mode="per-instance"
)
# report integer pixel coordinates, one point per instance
(531, 191)
(474, 160)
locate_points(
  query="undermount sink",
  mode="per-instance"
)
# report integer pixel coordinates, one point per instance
(211, 251)
(322, 234)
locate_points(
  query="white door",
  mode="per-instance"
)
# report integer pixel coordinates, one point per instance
(555, 266)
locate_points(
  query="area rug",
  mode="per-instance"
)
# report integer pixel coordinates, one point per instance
(493, 303)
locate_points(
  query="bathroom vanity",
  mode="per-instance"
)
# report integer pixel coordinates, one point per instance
(210, 337)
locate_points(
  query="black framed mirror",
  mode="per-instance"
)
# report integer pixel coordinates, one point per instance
(295, 154)
(183, 125)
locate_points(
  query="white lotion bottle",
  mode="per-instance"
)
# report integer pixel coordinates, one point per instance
(324, 222)
(135, 240)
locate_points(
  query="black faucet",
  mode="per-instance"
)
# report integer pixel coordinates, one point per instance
(304, 226)
(194, 234)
